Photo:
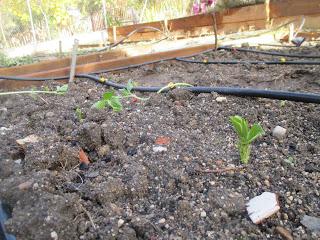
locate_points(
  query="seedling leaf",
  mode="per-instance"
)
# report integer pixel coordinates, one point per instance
(100, 104)
(236, 123)
(62, 89)
(115, 103)
(108, 95)
(246, 135)
(255, 132)
(129, 85)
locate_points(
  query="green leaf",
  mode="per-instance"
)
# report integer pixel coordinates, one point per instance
(129, 86)
(237, 123)
(108, 95)
(125, 93)
(79, 114)
(115, 104)
(62, 89)
(100, 104)
(255, 132)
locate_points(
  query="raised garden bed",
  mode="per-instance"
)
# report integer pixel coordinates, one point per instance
(148, 175)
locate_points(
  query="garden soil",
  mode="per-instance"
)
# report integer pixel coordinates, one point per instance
(151, 165)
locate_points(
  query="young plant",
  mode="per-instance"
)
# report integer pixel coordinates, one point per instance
(59, 91)
(127, 92)
(246, 136)
(79, 114)
(110, 99)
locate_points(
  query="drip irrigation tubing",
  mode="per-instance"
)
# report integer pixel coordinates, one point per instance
(233, 62)
(268, 53)
(235, 91)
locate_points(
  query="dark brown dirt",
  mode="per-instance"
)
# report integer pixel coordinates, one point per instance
(131, 191)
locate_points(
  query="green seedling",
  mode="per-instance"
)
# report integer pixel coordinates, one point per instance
(59, 91)
(79, 114)
(127, 92)
(110, 99)
(174, 85)
(246, 136)
(289, 161)
(283, 103)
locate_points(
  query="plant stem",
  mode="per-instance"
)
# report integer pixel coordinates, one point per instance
(28, 92)
(244, 153)
(135, 96)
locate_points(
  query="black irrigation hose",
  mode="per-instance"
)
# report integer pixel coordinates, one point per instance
(268, 53)
(240, 92)
(232, 62)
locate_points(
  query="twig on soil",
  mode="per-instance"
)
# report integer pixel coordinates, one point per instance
(43, 99)
(80, 178)
(89, 216)
(222, 170)
(155, 227)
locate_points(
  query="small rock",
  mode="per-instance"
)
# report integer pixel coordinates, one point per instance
(92, 174)
(103, 150)
(203, 214)
(179, 94)
(54, 235)
(157, 149)
(279, 132)
(310, 168)
(90, 136)
(312, 223)
(221, 99)
(18, 161)
(3, 130)
(26, 185)
(285, 216)
(29, 139)
(35, 186)
(267, 183)
(50, 114)
(284, 233)
(262, 207)
(120, 223)
(162, 221)
(83, 166)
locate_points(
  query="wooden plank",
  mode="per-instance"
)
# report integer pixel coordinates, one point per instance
(278, 9)
(122, 62)
(309, 36)
(60, 63)
(286, 8)
(94, 45)
(11, 85)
